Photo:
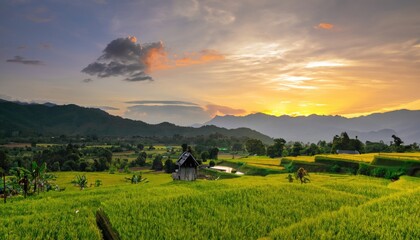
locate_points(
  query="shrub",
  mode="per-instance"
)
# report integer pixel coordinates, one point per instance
(290, 167)
(212, 163)
(364, 169)
(334, 168)
(379, 172)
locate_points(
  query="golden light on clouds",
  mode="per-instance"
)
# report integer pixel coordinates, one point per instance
(132, 39)
(325, 26)
(202, 57)
(333, 63)
(159, 59)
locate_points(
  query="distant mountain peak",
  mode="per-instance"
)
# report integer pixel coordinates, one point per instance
(373, 127)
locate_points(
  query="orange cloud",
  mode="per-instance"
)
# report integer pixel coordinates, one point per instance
(325, 26)
(158, 59)
(132, 39)
(214, 110)
(204, 56)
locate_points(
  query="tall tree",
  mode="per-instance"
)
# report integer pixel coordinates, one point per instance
(276, 150)
(4, 165)
(255, 147)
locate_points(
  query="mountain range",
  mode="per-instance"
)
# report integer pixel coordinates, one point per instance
(30, 119)
(374, 127)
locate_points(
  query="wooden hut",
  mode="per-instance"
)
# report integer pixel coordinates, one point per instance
(187, 167)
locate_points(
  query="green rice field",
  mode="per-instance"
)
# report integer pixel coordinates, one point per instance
(331, 206)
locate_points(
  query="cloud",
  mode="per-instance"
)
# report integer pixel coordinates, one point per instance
(87, 80)
(182, 115)
(40, 15)
(202, 57)
(214, 110)
(325, 26)
(161, 103)
(177, 112)
(107, 108)
(22, 60)
(45, 46)
(123, 57)
(220, 16)
(195, 10)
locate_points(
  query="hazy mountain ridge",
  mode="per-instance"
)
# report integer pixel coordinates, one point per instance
(373, 127)
(52, 120)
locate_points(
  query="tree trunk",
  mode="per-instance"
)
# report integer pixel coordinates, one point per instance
(35, 183)
(4, 185)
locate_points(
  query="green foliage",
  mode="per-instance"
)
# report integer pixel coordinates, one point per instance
(98, 182)
(81, 181)
(157, 164)
(112, 169)
(169, 166)
(276, 150)
(364, 169)
(395, 161)
(378, 172)
(204, 156)
(213, 153)
(340, 162)
(290, 167)
(296, 149)
(335, 168)
(212, 163)
(343, 142)
(4, 162)
(255, 147)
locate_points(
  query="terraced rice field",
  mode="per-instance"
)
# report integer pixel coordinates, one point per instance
(250, 207)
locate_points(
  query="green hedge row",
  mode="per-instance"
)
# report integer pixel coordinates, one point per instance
(382, 171)
(342, 163)
(395, 161)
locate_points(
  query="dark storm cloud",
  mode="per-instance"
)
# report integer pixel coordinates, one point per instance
(22, 60)
(123, 57)
(148, 102)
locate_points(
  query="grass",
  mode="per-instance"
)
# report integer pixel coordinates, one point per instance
(250, 207)
(258, 161)
(368, 157)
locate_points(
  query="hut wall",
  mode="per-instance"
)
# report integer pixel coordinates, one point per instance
(188, 174)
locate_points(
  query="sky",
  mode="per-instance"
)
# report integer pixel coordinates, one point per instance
(186, 61)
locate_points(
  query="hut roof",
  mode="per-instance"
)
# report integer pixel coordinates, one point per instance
(348, 152)
(186, 156)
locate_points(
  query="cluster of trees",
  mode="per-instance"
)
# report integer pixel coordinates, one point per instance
(340, 142)
(70, 157)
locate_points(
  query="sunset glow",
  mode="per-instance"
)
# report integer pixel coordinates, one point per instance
(222, 57)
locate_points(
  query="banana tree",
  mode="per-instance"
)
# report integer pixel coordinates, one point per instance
(80, 181)
(39, 175)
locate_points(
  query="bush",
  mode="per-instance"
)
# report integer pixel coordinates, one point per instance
(157, 164)
(212, 163)
(334, 168)
(290, 167)
(112, 170)
(393, 173)
(379, 172)
(394, 161)
(364, 169)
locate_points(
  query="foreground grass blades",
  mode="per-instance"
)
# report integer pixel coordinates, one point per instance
(250, 207)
